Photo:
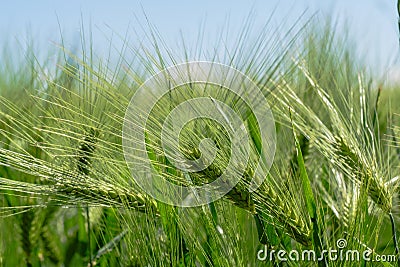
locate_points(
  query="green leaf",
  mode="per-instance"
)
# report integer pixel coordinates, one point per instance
(107, 248)
(267, 233)
(255, 132)
(398, 7)
(308, 196)
(214, 213)
(308, 193)
(305, 181)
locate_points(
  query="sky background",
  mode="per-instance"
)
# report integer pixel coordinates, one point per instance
(372, 23)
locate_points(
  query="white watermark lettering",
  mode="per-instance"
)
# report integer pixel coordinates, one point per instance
(142, 127)
(340, 253)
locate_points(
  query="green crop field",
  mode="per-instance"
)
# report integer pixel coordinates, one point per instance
(329, 194)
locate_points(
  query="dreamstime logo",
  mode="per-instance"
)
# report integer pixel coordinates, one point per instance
(340, 253)
(140, 116)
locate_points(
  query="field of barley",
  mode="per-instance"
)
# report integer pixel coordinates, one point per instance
(72, 161)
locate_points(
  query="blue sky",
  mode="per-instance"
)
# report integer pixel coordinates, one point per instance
(372, 23)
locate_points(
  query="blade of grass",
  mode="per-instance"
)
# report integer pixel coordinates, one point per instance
(309, 199)
(107, 248)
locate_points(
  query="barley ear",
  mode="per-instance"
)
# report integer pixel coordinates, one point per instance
(26, 227)
(376, 188)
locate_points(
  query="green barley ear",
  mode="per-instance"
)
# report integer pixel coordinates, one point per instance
(268, 202)
(375, 186)
(86, 149)
(283, 211)
(362, 167)
(50, 247)
(343, 141)
(51, 250)
(340, 195)
(265, 202)
(240, 194)
(70, 186)
(26, 234)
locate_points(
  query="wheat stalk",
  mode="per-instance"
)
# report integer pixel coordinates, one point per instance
(72, 185)
(340, 144)
(363, 173)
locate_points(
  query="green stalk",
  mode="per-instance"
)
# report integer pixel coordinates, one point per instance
(395, 242)
(309, 198)
(374, 118)
(88, 236)
(86, 150)
(398, 12)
